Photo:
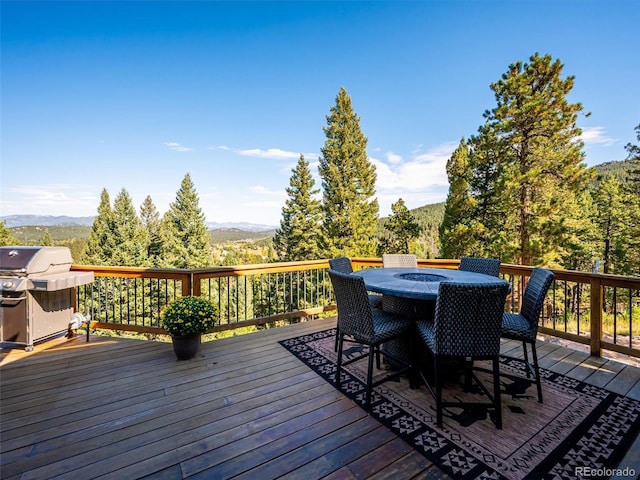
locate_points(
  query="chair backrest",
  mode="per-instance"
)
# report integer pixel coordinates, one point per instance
(488, 266)
(468, 318)
(354, 313)
(341, 264)
(391, 260)
(535, 294)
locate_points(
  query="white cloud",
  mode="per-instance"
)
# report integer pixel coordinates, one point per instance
(596, 136)
(272, 153)
(51, 199)
(393, 158)
(423, 172)
(176, 147)
(259, 189)
(220, 147)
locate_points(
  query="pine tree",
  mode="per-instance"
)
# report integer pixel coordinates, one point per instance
(150, 221)
(610, 220)
(531, 142)
(403, 228)
(350, 210)
(633, 205)
(129, 236)
(101, 243)
(6, 239)
(455, 230)
(184, 231)
(299, 232)
(47, 241)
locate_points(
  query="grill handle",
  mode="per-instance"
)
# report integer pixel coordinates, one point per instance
(12, 301)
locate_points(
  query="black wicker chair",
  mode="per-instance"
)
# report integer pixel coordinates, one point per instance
(523, 326)
(395, 260)
(488, 266)
(343, 264)
(366, 326)
(466, 328)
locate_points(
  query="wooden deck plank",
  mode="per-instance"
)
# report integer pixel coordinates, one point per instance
(292, 460)
(373, 462)
(123, 408)
(624, 381)
(569, 362)
(604, 374)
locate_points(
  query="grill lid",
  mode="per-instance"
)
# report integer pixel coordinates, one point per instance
(34, 260)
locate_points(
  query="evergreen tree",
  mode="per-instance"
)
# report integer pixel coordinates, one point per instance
(101, 243)
(455, 230)
(350, 210)
(47, 241)
(150, 221)
(633, 203)
(129, 236)
(531, 144)
(6, 239)
(610, 216)
(403, 228)
(184, 231)
(299, 232)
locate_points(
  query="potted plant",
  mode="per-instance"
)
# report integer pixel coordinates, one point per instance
(186, 319)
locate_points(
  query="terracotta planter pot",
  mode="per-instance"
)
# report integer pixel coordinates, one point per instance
(185, 346)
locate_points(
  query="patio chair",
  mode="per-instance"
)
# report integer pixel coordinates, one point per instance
(488, 266)
(395, 260)
(466, 328)
(366, 326)
(523, 326)
(343, 264)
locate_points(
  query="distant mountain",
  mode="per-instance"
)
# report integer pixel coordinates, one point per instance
(51, 220)
(247, 227)
(44, 220)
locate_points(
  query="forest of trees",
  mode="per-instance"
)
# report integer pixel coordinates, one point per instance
(519, 191)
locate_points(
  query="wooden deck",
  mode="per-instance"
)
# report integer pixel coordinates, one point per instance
(244, 408)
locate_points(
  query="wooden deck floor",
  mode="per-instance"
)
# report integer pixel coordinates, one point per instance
(244, 408)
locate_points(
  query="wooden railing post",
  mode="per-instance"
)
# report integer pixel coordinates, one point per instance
(596, 316)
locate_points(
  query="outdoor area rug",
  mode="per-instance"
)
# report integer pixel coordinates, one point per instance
(579, 426)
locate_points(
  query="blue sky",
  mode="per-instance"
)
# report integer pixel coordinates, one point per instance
(136, 94)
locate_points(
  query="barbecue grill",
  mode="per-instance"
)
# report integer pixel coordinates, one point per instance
(36, 293)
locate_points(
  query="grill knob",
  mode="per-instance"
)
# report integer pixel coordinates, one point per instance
(8, 285)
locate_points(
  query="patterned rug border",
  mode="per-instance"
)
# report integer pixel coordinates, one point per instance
(591, 435)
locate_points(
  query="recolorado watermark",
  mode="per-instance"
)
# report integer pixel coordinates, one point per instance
(588, 472)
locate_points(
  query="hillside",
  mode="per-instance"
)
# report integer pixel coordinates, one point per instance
(619, 170)
(221, 235)
(33, 235)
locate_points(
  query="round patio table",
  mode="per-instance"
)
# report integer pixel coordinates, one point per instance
(412, 292)
(418, 283)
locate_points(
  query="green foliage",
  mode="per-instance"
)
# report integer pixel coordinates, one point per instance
(223, 235)
(6, 239)
(47, 241)
(525, 171)
(189, 315)
(632, 191)
(33, 234)
(185, 236)
(455, 230)
(130, 237)
(101, 244)
(348, 182)
(298, 237)
(402, 229)
(150, 222)
(609, 219)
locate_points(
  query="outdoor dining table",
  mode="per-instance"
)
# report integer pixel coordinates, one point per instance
(412, 292)
(417, 283)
